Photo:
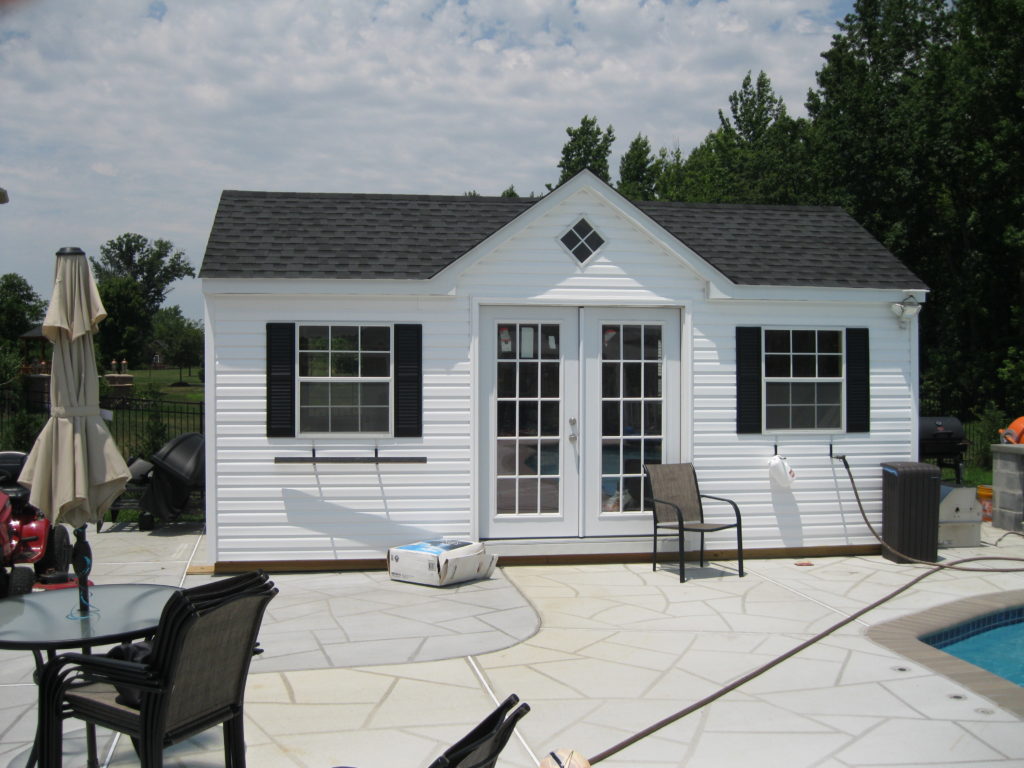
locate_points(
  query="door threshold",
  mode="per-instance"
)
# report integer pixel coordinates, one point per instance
(620, 545)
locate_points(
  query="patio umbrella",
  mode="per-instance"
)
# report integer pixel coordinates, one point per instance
(74, 470)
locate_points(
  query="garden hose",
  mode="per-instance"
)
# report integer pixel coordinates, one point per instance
(933, 569)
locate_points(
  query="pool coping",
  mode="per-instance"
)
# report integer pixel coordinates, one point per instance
(902, 636)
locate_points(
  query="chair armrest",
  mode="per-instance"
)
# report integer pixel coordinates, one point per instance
(679, 512)
(99, 668)
(730, 502)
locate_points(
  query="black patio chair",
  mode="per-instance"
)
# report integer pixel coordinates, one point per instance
(194, 678)
(481, 747)
(678, 508)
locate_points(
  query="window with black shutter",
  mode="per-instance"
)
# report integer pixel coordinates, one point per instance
(351, 378)
(802, 380)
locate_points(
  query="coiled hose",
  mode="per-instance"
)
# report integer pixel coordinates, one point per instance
(958, 565)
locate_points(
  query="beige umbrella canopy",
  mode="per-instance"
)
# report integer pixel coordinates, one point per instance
(74, 470)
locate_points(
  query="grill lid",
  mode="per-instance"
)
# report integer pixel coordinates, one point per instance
(940, 428)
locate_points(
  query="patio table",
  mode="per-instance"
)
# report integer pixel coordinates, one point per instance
(49, 621)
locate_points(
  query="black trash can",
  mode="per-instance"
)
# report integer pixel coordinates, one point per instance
(910, 510)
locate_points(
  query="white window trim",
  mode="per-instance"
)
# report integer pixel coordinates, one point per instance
(841, 380)
(390, 380)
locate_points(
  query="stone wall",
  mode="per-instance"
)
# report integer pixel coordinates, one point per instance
(1008, 487)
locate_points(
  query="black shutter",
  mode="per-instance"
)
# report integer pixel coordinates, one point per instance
(408, 395)
(748, 380)
(858, 388)
(280, 380)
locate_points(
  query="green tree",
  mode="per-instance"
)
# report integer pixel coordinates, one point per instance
(637, 170)
(669, 175)
(22, 307)
(587, 147)
(126, 332)
(153, 266)
(179, 339)
(510, 192)
(917, 126)
(758, 154)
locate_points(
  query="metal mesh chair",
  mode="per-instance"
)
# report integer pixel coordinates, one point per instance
(678, 508)
(193, 680)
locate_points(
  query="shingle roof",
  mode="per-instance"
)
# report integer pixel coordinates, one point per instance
(323, 235)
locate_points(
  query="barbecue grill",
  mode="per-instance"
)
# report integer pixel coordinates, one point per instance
(941, 438)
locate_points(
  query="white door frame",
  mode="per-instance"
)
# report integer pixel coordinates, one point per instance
(580, 512)
(519, 460)
(596, 520)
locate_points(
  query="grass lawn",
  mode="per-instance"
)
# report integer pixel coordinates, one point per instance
(174, 384)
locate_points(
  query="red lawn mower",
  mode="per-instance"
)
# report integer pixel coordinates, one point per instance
(30, 547)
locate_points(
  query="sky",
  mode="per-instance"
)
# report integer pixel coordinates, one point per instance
(133, 115)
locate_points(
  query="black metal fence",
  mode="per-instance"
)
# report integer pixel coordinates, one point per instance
(139, 426)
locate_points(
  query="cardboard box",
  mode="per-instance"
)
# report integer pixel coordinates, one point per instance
(439, 562)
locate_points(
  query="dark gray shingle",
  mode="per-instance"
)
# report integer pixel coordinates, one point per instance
(317, 235)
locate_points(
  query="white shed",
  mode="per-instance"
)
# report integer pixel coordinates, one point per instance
(388, 368)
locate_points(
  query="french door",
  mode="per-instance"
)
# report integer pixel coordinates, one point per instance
(574, 402)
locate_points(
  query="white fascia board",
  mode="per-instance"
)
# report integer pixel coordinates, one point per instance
(816, 294)
(214, 286)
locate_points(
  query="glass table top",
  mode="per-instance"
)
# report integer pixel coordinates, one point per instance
(49, 620)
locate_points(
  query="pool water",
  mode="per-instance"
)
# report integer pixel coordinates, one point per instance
(994, 642)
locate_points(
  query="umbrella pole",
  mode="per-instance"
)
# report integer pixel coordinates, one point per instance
(81, 561)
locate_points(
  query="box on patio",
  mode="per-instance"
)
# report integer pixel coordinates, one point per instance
(439, 562)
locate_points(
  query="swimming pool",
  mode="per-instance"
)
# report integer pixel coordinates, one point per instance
(994, 642)
(905, 636)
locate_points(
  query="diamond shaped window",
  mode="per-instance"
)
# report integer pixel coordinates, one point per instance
(582, 241)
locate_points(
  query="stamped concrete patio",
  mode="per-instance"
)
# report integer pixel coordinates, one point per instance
(362, 671)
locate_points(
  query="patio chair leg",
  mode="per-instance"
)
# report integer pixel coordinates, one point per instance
(234, 742)
(152, 753)
(739, 547)
(702, 549)
(682, 559)
(654, 552)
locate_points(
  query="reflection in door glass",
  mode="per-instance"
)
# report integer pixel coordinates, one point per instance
(632, 362)
(528, 419)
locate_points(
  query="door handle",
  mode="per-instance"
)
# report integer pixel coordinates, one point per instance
(572, 429)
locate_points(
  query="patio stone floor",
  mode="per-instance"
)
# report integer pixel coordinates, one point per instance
(362, 671)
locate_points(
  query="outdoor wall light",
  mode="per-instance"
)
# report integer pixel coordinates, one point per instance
(906, 310)
(4, 197)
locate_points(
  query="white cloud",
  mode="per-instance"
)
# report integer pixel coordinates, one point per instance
(131, 115)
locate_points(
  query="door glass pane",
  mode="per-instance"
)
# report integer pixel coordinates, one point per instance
(632, 380)
(632, 342)
(610, 347)
(550, 342)
(610, 379)
(528, 501)
(549, 380)
(549, 501)
(506, 379)
(527, 379)
(632, 413)
(549, 412)
(528, 406)
(505, 496)
(527, 457)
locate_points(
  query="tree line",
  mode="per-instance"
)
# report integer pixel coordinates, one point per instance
(133, 276)
(915, 128)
